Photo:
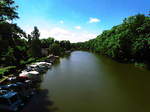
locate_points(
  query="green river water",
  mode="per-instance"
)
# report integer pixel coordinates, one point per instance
(86, 82)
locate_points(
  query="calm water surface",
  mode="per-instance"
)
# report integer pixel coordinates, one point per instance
(86, 82)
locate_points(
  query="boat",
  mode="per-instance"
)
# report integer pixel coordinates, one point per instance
(32, 75)
(10, 101)
(24, 90)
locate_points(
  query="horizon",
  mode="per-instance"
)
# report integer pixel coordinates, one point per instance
(76, 21)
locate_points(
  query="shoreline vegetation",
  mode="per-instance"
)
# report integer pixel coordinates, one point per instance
(128, 42)
(14, 70)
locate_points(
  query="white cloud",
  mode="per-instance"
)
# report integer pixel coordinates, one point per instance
(64, 34)
(59, 33)
(61, 22)
(94, 20)
(78, 27)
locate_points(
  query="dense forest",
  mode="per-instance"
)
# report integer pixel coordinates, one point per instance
(127, 42)
(18, 48)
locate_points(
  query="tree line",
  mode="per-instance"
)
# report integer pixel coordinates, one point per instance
(17, 47)
(127, 42)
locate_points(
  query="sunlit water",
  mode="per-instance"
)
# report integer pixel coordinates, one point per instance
(86, 82)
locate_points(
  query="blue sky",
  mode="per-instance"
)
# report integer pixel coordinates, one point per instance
(76, 20)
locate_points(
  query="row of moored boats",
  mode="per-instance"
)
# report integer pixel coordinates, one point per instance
(17, 90)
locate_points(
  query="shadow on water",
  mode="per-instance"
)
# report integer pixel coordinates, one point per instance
(40, 103)
(66, 56)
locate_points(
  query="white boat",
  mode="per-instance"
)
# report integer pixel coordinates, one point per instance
(34, 72)
(32, 75)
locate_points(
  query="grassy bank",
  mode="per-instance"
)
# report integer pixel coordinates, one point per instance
(6, 70)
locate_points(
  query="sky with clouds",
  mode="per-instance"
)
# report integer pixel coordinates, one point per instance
(76, 20)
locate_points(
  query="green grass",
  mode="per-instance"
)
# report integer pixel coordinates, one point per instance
(140, 65)
(41, 59)
(6, 69)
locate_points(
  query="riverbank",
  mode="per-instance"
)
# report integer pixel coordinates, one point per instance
(27, 78)
(13, 70)
(137, 64)
(6, 71)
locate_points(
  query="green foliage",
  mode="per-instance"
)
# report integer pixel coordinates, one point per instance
(65, 44)
(35, 34)
(12, 46)
(8, 10)
(55, 49)
(6, 69)
(129, 41)
(45, 43)
(35, 43)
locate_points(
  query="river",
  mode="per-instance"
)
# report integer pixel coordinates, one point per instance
(86, 82)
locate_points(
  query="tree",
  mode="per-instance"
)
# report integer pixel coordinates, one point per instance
(10, 34)
(8, 10)
(46, 43)
(55, 49)
(35, 33)
(65, 44)
(35, 43)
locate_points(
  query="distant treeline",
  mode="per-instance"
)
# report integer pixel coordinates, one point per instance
(127, 42)
(18, 48)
